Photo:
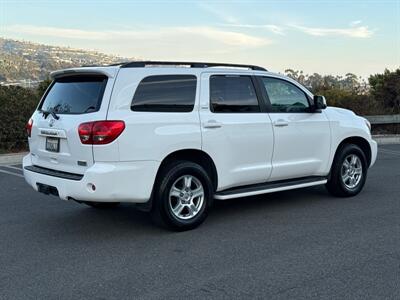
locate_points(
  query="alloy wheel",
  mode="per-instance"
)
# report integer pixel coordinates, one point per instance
(186, 197)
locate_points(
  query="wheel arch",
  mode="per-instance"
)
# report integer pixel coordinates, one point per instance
(194, 155)
(358, 141)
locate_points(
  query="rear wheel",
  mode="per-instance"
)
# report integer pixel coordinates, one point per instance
(182, 196)
(348, 172)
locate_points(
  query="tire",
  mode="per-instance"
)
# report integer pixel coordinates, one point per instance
(101, 205)
(182, 196)
(348, 172)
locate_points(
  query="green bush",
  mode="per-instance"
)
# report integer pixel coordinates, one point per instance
(381, 95)
(362, 104)
(16, 107)
(385, 88)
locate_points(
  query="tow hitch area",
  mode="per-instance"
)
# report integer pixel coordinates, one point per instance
(47, 189)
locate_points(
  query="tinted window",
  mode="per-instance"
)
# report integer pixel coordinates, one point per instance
(285, 96)
(233, 94)
(75, 95)
(165, 93)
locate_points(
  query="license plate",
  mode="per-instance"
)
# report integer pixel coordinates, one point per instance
(53, 144)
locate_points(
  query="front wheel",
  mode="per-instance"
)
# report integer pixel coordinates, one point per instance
(348, 172)
(182, 196)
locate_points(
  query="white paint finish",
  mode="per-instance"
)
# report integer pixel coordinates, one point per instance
(71, 148)
(115, 182)
(110, 72)
(60, 133)
(240, 144)
(345, 124)
(151, 135)
(302, 147)
(129, 78)
(272, 190)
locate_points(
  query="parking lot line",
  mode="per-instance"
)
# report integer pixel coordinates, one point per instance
(12, 167)
(11, 173)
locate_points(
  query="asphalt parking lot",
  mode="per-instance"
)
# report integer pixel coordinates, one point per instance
(290, 245)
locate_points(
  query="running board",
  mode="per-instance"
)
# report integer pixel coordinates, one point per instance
(269, 187)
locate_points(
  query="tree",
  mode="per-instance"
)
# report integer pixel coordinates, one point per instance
(386, 89)
(43, 87)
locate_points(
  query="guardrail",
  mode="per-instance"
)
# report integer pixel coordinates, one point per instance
(383, 119)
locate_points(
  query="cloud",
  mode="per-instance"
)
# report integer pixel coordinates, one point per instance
(227, 37)
(356, 22)
(354, 32)
(56, 32)
(219, 13)
(164, 34)
(231, 21)
(270, 27)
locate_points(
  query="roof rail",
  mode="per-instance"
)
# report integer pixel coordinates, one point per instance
(142, 64)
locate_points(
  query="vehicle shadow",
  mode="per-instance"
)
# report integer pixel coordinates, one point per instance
(126, 220)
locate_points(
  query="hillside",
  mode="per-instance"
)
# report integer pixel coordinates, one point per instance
(21, 61)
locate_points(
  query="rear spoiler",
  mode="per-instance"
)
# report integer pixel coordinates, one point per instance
(83, 71)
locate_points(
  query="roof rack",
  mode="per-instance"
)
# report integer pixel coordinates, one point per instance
(142, 64)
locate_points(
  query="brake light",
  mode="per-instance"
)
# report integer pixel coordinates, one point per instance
(85, 133)
(100, 132)
(28, 127)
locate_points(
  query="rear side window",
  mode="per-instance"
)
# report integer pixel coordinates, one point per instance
(75, 95)
(165, 93)
(233, 94)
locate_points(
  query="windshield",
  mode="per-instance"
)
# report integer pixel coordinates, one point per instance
(75, 95)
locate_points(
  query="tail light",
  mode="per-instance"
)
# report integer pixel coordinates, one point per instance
(100, 132)
(28, 127)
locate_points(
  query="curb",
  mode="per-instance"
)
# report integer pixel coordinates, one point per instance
(12, 158)
(387, 139)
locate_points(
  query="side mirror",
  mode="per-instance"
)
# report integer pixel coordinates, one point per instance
(319, 102)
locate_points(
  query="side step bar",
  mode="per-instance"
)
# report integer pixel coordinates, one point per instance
(269, 187)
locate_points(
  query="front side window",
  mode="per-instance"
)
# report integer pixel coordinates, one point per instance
(165, 93)
(284, 96)
(233, 94)
(75, 95)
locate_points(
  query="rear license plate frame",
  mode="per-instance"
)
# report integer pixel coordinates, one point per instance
(52, 144)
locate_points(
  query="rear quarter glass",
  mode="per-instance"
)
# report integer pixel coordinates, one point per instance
(75, 94)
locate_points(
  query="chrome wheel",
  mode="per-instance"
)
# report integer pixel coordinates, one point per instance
(352, 171)
(186, 197)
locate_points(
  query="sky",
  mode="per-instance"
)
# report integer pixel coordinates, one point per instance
(326, 36)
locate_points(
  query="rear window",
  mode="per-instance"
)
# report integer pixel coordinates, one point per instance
(75, 95)
(165, 93)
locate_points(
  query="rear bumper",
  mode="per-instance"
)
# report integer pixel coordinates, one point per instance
(114, 181)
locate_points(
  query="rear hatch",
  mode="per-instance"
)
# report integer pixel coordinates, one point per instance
(71, 100)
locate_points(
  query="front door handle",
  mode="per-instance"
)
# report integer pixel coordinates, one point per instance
(212, 124)
(281, 123)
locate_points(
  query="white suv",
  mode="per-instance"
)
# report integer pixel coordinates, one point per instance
(173, 136)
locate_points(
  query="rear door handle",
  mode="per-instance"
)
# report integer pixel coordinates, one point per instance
(212, 124)
(281, 123)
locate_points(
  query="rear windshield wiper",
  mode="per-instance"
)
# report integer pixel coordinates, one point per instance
(51, 112)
